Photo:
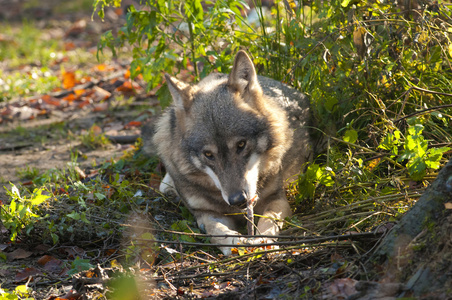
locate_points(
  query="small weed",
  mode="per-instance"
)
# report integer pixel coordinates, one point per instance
(27, 173)
(22, 212)
(94, 138)
(79, 265)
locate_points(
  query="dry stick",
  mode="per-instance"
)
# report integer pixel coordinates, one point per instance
(287, 243)
(246, 256)
(427, 109)
(367, 150)
(250, 215)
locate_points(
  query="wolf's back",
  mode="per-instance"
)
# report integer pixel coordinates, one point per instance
(298, 109)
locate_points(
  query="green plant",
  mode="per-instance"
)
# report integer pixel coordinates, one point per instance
(20, 292)
(79, 265)
(415, 151)
(22, 212)
(314, 176)
(28, 172)
(94, 138)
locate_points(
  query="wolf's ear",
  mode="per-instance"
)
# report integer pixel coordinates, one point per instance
(180, 91)
(243, 76)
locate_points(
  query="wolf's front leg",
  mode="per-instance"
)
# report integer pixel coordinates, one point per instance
(216, 224)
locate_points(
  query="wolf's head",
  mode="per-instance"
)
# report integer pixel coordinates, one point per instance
(227, 129)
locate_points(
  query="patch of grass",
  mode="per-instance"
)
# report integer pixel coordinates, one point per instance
(25, 45)
(20, 84)
(27, 173)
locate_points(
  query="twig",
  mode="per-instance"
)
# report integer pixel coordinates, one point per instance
(413, 87)
(367, 150)
(285, 243)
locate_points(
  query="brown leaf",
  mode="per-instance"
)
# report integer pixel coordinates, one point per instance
(51, 100)
(54, 265)
(45, 259)
(18, 254)
(25, 274)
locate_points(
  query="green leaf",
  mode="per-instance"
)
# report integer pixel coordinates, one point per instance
(39, 198)
(74, 215)
(100, 196)
(351, 136)
(79, 265)
(417, 169)
(182, 226)
(345, 3)
(22, 290)
(434, 156)
(83, 218)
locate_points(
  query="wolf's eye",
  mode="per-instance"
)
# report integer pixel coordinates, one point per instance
(241, 145)
(208, 154)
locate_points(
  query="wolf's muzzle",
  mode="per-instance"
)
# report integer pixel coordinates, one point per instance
(237, 199)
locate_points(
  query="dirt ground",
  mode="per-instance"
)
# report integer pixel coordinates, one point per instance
(48, 142)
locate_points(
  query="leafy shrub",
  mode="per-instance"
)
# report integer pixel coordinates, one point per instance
(369, 67)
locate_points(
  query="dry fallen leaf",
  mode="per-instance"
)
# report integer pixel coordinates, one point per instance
(25, 274)
(69, 80)
(18, 254)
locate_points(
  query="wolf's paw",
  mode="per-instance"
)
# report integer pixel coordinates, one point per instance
(232, 241)
(262, 243)
(167, 186)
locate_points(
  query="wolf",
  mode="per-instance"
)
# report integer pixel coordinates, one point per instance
(229, 139)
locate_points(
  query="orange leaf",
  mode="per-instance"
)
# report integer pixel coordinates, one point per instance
(69, 46)
(79, 92)
(71, 97)
(68, 80)
(133, 124)
(103, 68)
(125, 87)
(127, 74)
(50, 100)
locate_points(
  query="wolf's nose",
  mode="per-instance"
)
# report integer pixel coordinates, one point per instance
(237, 199)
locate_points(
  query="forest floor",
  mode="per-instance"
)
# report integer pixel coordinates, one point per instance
(70, 122)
